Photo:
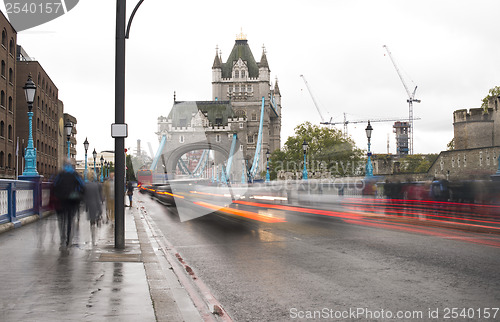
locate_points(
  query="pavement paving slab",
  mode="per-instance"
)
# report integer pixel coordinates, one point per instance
(41, 282)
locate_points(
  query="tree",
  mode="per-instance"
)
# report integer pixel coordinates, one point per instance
(493, 92)
(417, 163)
(328, 151)
(451, 145)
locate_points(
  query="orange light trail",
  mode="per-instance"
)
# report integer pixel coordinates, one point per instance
(241, 213)
(360, 220)
(367, 210)
(170, 194)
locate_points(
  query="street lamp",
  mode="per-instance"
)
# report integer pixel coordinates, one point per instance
(102, 169)
(94, 154)
(369, 167)
(86, 146)
(268, 178)
(68, 127)
(304, 172)
(30, 153)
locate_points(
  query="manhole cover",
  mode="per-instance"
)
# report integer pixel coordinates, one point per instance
(112, 257)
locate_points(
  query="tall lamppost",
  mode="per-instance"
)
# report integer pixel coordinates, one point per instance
(68, 127)
(268, 178)
(86, 146)
(102, 169)
(304, 171)
(94, 154)
(30, 152)
(369, 167)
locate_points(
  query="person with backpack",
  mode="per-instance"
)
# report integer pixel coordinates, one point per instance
(68, 190)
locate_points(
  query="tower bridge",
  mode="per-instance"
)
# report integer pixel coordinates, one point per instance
(238, 126)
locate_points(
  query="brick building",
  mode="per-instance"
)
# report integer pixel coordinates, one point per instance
(46, 113)
(8, 99)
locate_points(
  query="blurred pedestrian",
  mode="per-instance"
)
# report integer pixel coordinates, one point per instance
(68, 190)
(109, 193)
(93, 201)
(130, 192)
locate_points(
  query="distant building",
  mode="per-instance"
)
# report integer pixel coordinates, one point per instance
(238, 86)
(72, 139)
(8, 101)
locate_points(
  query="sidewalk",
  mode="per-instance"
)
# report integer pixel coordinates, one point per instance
(38, 282)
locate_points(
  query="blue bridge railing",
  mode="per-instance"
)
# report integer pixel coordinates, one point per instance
(20, 199)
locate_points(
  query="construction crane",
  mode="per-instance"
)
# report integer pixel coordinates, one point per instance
(314, 101)
(346, 122)
(410, 100)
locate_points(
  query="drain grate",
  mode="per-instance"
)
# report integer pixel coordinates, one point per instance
(112, 257)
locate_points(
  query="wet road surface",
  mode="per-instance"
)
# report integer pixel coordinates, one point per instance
(303, 263)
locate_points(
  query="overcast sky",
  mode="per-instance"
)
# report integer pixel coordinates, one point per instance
(449, 49)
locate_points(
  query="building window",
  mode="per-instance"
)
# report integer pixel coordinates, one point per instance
(241, 147)
(4, 38)
(217, 138)
(3, 68)
(480, 158)
(11, 46)
(2, 156)
(237, 88)
(240, 113)
(2, 98)
(254, 117)
(2, 129)
(465, 161)
(250, 139)
(243, 74)
(9, 161)
(9, 134)
(241, 125)
(10, 103)
(487, 159)
(236, 74)
(452, 162)
(11, 76)
(181, 139)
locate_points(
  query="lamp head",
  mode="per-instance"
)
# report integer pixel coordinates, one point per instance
(29, 90)
(369, 130)
(86, 145)
(68, 127)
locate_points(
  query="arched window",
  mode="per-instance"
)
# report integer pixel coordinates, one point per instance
(243, 73)
(236, 73)
(37, 124)
(9, 161)
(2, 98)
(2, 129)
(9, 134)
(11, 76)
(3, 68)
(38, 80)
(10, 103)
(11, 46)
(42, 126)
(4, 38)
(240, 113)
(2, 159)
